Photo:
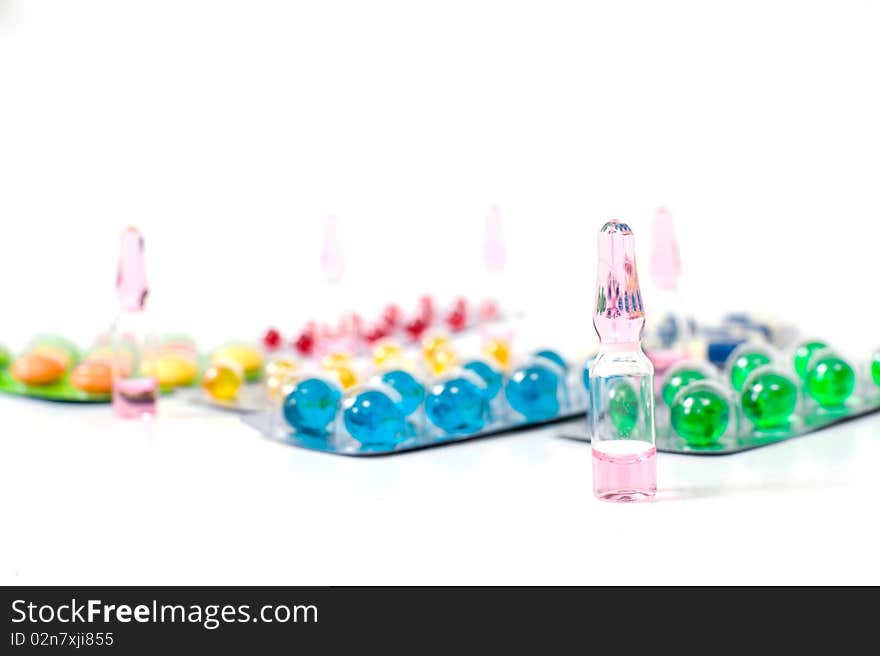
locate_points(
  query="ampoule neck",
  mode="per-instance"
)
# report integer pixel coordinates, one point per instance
(614, 347)
(131, 278)
(129, 317)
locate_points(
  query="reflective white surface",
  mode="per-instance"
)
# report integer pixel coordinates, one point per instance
(198, 497)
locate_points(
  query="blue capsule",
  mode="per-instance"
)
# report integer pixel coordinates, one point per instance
(457, 406)
(667, 330)
(373, 419)
(312, 404)
(490, 376)
(553, 356)
(533, 391)
(411, 391)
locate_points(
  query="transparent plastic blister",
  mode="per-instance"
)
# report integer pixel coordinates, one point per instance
(677, 377)
(493, 383)
(698, 411)
(744, 359)
(704, 416)
(780, 395)
(538, 390)
(870, 373)
(771, 403)
(831, 386)
(399, 410)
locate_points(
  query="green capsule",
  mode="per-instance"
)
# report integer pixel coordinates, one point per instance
(6, 357)
(745, 364)
(769, 400)
(803, 354)
(677, 381)
(830, 381)
(623, 407)
(875, 369)
(700, 416)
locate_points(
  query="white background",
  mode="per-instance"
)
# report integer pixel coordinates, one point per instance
(229, 130)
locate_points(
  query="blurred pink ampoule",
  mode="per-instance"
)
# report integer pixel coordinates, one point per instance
(494, 251)
(489, 308)
(665, 258)
(332, 256)
(668, 333)
(333, 334)
(622, 377)
(135, 386)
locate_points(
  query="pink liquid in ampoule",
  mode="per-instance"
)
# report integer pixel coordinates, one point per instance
(624, 470)
(135, 398)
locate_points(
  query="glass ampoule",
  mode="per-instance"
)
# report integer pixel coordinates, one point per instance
(622, 377)
(135, 386)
